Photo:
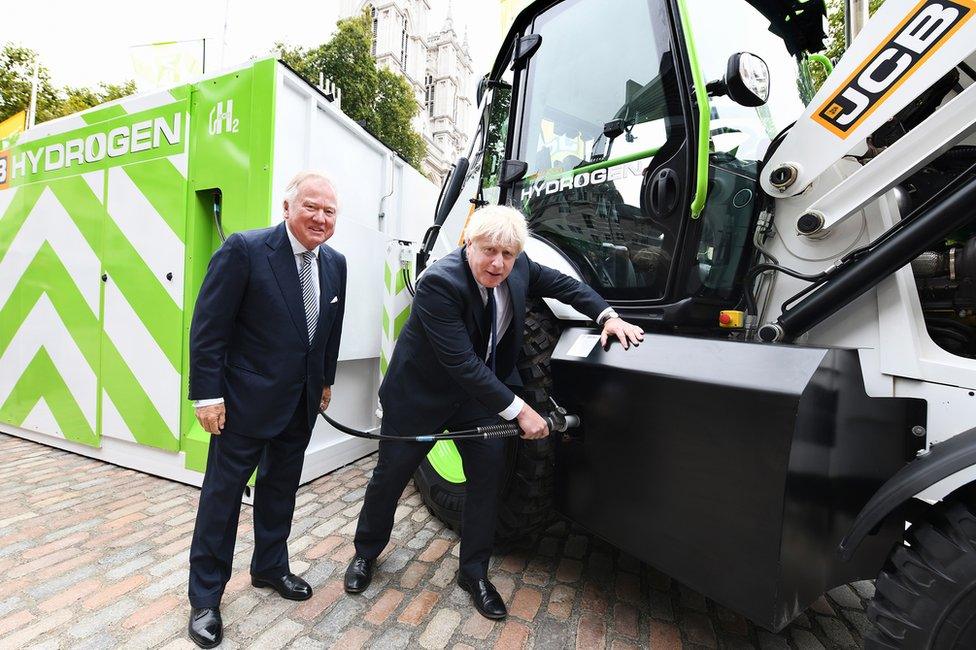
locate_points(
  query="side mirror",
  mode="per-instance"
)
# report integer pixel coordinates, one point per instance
(746, 80)
(482, 87)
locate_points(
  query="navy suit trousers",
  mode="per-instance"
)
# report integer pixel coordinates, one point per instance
(230, 463)
(484, 464)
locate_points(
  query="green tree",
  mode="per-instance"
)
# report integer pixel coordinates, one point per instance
(347, 60)
(16, 74)
(394, 108)
(379, 99)
(836, 44)
(79, 99)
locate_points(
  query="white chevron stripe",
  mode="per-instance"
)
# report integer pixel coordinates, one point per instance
(96, 181)
(6, 197)
(153, 239)
(44, 328)
(142, 355)
(146, 102)
(179, 161)
(42, 420)
(113, 425)
(49, 222)
(44, 129)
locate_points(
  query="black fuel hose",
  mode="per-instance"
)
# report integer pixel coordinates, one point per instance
(557, 421)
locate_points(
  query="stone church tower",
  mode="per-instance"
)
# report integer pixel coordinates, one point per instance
(435, 63)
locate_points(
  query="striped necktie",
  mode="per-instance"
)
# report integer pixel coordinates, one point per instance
(308, 293)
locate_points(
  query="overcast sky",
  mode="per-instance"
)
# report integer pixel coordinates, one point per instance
(83, 43)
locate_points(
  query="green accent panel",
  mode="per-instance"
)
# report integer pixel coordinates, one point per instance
(103, 114)
(41, 379)
(384, 363)
(196, 442)
(141, 288)
(822, 60)
(165, 189)
(180, 92)
(704, 114)
(386, 321)
(387, 278)
(239, 163)
(399, 322)
(121, 130)
(446, 460)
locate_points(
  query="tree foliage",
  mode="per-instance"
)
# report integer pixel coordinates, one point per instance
(836, 43)
(16, 75)
(379, 99)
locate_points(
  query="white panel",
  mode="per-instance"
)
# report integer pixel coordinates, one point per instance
(149, 234)
(96, 182)
(113, 425)
(44, 328)
(49, 222)
(142, 355)
(42, 419)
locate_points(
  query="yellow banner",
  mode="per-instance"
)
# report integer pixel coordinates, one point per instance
(13, 124)
(510, 9)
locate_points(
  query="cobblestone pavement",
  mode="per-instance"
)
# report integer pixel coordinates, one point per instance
(95, 556)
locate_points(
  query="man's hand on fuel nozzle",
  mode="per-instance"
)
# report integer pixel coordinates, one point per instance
(623, 330)
(212, 417)
(326, 398)
(532, 424)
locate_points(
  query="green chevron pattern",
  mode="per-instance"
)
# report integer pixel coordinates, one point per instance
(135, 359)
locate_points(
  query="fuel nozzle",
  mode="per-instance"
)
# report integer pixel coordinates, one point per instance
(559, 419)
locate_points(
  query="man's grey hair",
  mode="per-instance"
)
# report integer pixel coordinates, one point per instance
(498, 224)
(291, 190)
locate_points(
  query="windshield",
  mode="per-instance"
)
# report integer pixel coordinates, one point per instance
(601, 99)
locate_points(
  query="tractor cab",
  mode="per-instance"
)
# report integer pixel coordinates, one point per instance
(616, 127)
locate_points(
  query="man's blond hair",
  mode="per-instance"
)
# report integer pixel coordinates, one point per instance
(291, 190)
(499, 225)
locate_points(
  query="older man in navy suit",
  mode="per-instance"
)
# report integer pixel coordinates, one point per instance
(453, 368)
(264, 346)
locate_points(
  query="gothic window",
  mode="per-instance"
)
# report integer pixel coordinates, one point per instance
(429, 95)
(372, 13)
(404, 41)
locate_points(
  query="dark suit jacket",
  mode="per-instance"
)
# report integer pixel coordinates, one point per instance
(438, 371)
(249, 340)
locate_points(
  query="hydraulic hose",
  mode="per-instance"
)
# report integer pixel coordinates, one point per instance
(558, 421)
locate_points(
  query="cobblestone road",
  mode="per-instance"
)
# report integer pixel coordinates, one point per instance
(95, 556)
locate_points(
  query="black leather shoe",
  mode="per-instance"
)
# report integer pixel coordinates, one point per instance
(288, 586)
(484, 596)
(358, 575)
(206, 629)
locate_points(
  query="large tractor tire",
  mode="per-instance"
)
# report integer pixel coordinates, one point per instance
(525, 504)
(926, 593)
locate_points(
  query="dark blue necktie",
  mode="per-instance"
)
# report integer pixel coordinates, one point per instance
(490, 308)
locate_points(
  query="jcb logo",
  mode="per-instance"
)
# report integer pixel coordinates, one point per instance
(222, 120)
(4, 169)
(927, 27)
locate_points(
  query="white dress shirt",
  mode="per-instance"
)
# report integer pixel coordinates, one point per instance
(297, 249)
(503, 318)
